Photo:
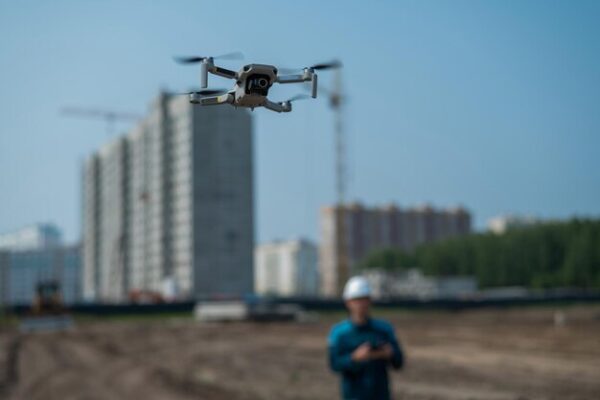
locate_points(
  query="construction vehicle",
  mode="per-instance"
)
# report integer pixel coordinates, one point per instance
(48, 312)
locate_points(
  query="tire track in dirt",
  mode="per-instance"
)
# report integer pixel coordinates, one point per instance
(9, 371)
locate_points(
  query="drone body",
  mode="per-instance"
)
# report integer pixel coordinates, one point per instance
(252, 84)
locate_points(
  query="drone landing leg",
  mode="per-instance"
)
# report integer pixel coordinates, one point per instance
(277, 107)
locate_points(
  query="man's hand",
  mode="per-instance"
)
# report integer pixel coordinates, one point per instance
(362, 352)
(385, 352)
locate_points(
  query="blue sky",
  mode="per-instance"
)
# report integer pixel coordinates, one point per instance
(490, 104)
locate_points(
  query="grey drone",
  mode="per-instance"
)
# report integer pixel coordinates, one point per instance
(252, 83)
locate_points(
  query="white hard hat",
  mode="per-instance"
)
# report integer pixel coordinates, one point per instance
(357, 287)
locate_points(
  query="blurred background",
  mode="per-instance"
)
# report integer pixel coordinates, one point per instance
(451, 159)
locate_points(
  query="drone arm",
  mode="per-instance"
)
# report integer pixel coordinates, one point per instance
(293, 78)
(226, 98)
(225, 73)
(277, 107)
(307, 76)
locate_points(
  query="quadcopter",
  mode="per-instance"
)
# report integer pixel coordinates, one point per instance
(252, 83)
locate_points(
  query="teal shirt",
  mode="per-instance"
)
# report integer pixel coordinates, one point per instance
(366, 380)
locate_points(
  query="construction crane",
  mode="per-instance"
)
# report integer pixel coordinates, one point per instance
(110, 116)
(336, 101)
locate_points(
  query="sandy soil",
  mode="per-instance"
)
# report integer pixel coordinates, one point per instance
(487, 354)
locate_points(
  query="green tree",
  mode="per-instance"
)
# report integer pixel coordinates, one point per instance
(556, 254)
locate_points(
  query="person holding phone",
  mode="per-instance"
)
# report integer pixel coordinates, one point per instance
(361, 348)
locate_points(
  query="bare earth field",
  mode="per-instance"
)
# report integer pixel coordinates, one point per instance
(485, 354)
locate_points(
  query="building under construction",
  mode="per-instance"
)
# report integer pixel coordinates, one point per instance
(171, 204)
(366, 229)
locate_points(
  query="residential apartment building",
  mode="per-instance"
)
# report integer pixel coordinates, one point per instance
(368, 229)
(171, 200)
(286, 268)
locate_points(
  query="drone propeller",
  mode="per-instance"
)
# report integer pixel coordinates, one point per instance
(287, 104)
(330, 65)
(205, 61)
(236, 55)
(196, 59)
(321, 66)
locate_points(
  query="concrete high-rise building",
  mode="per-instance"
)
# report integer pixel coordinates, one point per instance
(286, 268)
(171, 200)
(369, 229)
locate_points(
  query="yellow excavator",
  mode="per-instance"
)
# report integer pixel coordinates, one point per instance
(48, 312)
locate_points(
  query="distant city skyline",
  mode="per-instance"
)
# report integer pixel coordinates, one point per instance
(488, 105)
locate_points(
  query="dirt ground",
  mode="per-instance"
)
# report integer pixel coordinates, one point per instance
(486, 354)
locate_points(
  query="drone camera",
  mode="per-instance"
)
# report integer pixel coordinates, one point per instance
(258, 84)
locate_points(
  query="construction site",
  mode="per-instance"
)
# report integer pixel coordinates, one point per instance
(513, 353)
(208, 247)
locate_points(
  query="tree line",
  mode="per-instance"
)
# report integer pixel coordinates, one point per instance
(544, 255)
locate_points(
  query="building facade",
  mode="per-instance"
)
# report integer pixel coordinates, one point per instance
(286, 268)
(171, 201)
(368, 229)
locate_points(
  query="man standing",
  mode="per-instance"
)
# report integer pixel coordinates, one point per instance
(361, 348)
